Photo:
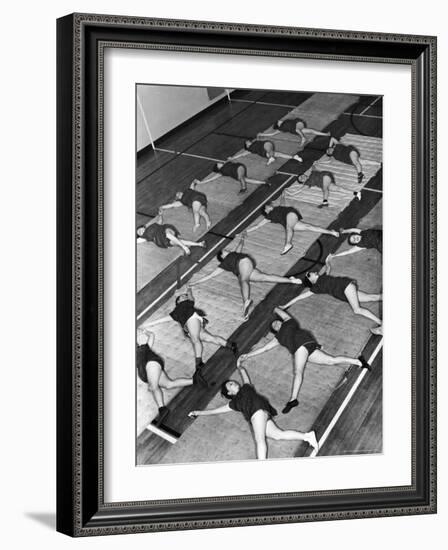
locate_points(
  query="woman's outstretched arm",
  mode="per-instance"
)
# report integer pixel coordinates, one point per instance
(262, 222)
(244, 375)
(305, 294)
(214, 273)
(270, 345)
(209, 412)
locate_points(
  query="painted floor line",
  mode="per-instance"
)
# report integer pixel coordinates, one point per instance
(265, 103)
(173, 285)
(347, 399)
(359, 114)
(371, 105)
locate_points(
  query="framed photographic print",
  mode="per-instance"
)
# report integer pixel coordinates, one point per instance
(246, 274)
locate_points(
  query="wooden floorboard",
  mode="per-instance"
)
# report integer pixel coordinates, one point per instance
(285, 98)
(153, 191)
(359, 429)
(256, 118)
(150, 448)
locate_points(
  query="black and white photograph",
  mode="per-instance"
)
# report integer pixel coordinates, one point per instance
(258, 278)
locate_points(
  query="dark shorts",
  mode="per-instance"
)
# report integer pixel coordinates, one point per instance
(311, 346)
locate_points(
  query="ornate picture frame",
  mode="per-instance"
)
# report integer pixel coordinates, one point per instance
(81, 43)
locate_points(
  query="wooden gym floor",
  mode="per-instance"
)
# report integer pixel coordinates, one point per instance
(343, 405)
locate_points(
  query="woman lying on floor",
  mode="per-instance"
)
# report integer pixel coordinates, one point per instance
(323, 179)
(347, 154)
(194, 201)
(243, 266)
(289, 218)
(302, 346)
(361, 239)
(193, 322)
(151, 370)
(296, 126)
(257, 410)
(263, 149)
(164, 235)
(341, 288)
(234, 170)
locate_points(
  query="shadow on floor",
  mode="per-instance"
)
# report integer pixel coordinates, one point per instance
(48, 519)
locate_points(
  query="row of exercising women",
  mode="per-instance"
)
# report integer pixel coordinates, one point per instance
(167, 235)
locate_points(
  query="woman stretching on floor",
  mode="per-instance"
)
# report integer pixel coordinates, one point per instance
(164, 235)
(234, 170)
(302, 346)
(296, 126)
(257, 410)
(341, 288)
(263, 149)
(290, 218)
(151, 370)
(360, 239)
(243, 266)
(323, 179)
(193, 322)
(196, 202)
(347, 154)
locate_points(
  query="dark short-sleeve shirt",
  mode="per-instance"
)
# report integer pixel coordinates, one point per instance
(156, 233)
(317, 177)
(248, 401)
(289, 125)
(190, 195)
(342, 153)
(279, 214)
(232, 260)
(320, 143)
(371, 238)
(292, 336)
(144, 355)
(183, 311)
(334, 286)
(257, 148)
(230, 169)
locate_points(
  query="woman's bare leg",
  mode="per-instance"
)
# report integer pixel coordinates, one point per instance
(314, 132)
(245, 269)
(364, 297)
(153, 372)
(194, 326)
(200, 244)
(299, 361)
(213, 338)
(302, 226)
(178, 242)
(276, 433)
(259, 420)
(352, 296)
(259, 277)
(203, 212)
(195, 207)
(169, 383)
(322, 358)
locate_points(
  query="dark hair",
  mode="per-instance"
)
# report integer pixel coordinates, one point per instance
(225, 391)
(306, 281)
(180, 296)
(220, 256)
(275, 125)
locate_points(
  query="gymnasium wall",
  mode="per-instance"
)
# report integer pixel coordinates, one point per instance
(162, 108)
